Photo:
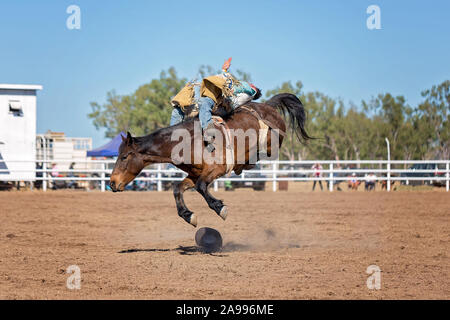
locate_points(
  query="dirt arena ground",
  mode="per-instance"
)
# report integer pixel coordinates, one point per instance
(283, 245)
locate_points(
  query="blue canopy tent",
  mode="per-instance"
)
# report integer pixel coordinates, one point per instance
(111, 149)
(3, 166)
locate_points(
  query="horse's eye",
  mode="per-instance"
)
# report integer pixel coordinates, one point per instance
(124, 157)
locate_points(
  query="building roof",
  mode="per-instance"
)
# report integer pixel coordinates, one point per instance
(7, 86)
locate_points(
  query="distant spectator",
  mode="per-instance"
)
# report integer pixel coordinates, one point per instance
(55, 171)
(71, 167)
(384, 183)
(72, 183)
(317, 174)
(353, 183)
(370, 180)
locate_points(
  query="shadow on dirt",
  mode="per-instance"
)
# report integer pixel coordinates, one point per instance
(144, 250)
(191, 250)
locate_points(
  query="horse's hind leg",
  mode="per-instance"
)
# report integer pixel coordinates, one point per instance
(183, 211)
(217, 205)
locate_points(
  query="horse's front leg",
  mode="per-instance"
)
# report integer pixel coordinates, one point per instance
(183, 211)
(217, 205)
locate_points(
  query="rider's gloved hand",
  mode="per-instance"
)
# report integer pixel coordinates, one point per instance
(226, 65)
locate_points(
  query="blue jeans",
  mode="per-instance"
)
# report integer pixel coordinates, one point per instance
(177, 116)
(205, 106)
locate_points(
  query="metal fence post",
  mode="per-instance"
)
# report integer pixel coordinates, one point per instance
(44, 176)
(103, 177)
(388, 184)
(159, 184)
(447, 183)
(331, 177)
(274, 176)
(389, 176)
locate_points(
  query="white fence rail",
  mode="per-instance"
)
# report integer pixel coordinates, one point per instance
(334, 172)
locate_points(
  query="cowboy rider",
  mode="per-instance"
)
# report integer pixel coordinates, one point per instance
(214, 90)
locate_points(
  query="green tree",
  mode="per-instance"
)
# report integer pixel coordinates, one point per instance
(434, 119)
(142, 112)
(393, 113)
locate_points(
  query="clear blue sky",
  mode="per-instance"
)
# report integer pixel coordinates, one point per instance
(123, 44)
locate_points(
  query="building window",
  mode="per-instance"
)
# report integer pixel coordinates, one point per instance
(15, 107)
(81, 144)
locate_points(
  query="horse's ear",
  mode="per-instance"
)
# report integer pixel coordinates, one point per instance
(123, 138)
(129, 138)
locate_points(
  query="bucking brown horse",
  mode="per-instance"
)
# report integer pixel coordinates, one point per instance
(135, 153)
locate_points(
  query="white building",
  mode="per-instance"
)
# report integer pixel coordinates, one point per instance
(56, 146)
(18, 131)
(61, 151)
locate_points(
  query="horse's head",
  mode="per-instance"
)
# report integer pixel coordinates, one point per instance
(128, 165)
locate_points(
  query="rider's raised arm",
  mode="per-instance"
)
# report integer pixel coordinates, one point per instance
(226, 65)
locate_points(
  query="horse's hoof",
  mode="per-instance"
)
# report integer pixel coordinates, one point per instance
(193, 220)
(223, 212)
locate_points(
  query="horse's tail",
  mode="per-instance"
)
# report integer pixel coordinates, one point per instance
(292, 106)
